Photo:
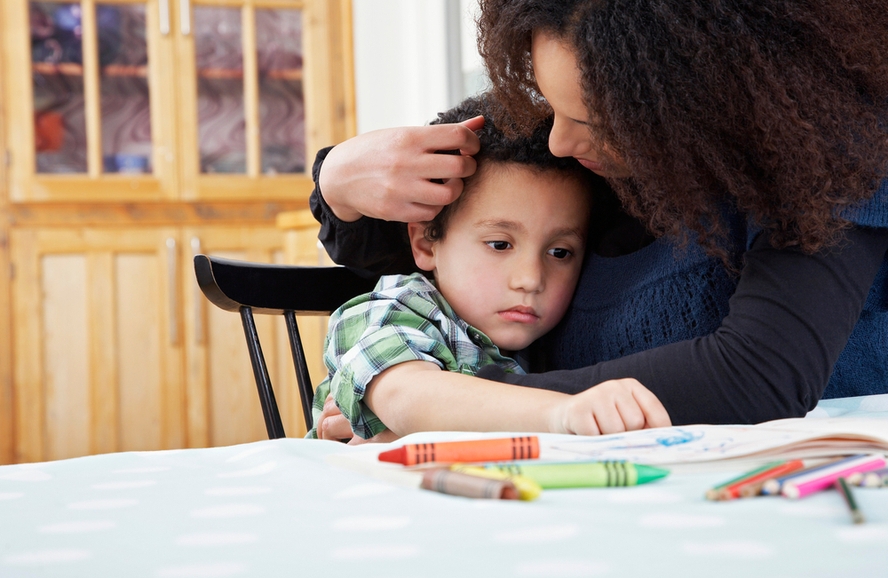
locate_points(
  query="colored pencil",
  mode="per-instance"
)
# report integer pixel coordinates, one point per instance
(713, 493)
(772, 487)
(807, 483)
(845, 489)
(875, 479)
(752, 486)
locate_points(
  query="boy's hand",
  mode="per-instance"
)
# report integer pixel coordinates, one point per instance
(610, 407)
(332, 425)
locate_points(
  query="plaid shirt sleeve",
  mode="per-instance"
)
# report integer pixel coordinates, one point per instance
(404, 319)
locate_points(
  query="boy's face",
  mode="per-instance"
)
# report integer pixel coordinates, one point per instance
(511, 252)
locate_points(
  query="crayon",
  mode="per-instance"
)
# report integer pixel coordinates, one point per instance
(522, 447)
(843, 488)
(583, 474)
(466, 485)
(488, 450)
(751, 486)
(807, 483)
(527, 488)
(713, 493)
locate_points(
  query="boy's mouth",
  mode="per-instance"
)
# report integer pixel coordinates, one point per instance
(520, 314)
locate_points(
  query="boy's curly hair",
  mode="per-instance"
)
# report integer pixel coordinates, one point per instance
(779, 107)
(499, 144)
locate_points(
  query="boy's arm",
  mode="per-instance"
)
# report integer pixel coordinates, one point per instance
(419, 396)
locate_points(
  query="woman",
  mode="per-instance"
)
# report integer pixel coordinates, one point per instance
(742, 272)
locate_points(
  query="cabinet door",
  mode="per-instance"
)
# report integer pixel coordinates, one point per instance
(94, 75)
(98, 362)
(263, 85)
(223, 405)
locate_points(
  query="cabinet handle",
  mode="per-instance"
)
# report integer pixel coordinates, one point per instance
(172, 274)
(185, 16)
(163, 10)
(198, 298)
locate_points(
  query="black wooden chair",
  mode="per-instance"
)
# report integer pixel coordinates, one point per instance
(277, 290)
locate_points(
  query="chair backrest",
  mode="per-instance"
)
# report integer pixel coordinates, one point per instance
(277, 290)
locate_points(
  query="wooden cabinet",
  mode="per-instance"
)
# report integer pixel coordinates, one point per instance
(136, 132)
(97, 356)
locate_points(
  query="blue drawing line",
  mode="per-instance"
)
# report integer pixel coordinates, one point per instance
(679, 437)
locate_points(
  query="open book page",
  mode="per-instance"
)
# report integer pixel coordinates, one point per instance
(836, 427)
(781, 439)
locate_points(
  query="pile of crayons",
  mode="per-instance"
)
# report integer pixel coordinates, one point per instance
(503, 468)
(796, 479)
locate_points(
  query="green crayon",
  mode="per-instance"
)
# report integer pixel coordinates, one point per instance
(583, 474)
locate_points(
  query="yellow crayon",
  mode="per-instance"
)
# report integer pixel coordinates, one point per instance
(527, 488)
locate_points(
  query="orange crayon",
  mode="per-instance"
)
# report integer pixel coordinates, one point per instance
(489, 450)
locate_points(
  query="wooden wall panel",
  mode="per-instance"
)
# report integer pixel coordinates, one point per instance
(66, 372)
(140, 361)
(223, 405)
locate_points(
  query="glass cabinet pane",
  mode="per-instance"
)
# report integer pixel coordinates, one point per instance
(125, 105)
(57, 77)
(57, 61)
(281, 101)
(220, 89)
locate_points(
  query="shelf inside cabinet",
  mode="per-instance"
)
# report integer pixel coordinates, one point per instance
(74, 69)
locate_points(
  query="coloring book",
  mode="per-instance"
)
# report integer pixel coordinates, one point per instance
(780, 439)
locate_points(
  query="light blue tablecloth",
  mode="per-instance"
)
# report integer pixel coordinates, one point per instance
(277, 508)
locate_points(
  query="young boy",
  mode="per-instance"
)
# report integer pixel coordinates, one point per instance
(504, 259)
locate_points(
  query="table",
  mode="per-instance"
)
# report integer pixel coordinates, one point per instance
(278, 508)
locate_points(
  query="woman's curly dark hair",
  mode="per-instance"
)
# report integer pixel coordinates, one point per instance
(778, 106)
(500, 144)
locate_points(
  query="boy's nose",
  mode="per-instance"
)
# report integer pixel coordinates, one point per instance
(527, 275)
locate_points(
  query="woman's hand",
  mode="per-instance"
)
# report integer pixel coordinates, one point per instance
(387, 174)
(612, 406)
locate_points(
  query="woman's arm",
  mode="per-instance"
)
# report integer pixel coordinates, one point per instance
(419, 396)
(378, 247)
(789, 320)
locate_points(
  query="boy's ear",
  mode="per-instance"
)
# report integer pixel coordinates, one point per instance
(423, 249)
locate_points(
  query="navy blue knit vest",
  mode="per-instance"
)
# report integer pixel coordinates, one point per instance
(662, 294)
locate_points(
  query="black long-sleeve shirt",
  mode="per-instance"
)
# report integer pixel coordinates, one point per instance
(770, 355)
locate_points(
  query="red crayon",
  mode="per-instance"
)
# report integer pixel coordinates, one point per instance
(490, 450)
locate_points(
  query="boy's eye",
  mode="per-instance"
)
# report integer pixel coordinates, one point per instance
(498, 245)
(560, 253)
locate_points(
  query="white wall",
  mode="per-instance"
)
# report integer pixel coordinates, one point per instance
(402, 52)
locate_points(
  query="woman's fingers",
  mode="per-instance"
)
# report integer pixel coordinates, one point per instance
(387, 174)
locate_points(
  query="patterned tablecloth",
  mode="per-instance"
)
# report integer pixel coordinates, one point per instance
(278, 508)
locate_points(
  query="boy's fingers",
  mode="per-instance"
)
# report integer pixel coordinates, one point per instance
(332, 425)
(654, 412)
(631, 413)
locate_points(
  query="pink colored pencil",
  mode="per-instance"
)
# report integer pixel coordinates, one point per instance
(805, 484)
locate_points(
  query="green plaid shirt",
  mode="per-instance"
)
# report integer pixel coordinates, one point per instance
(405, 318)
